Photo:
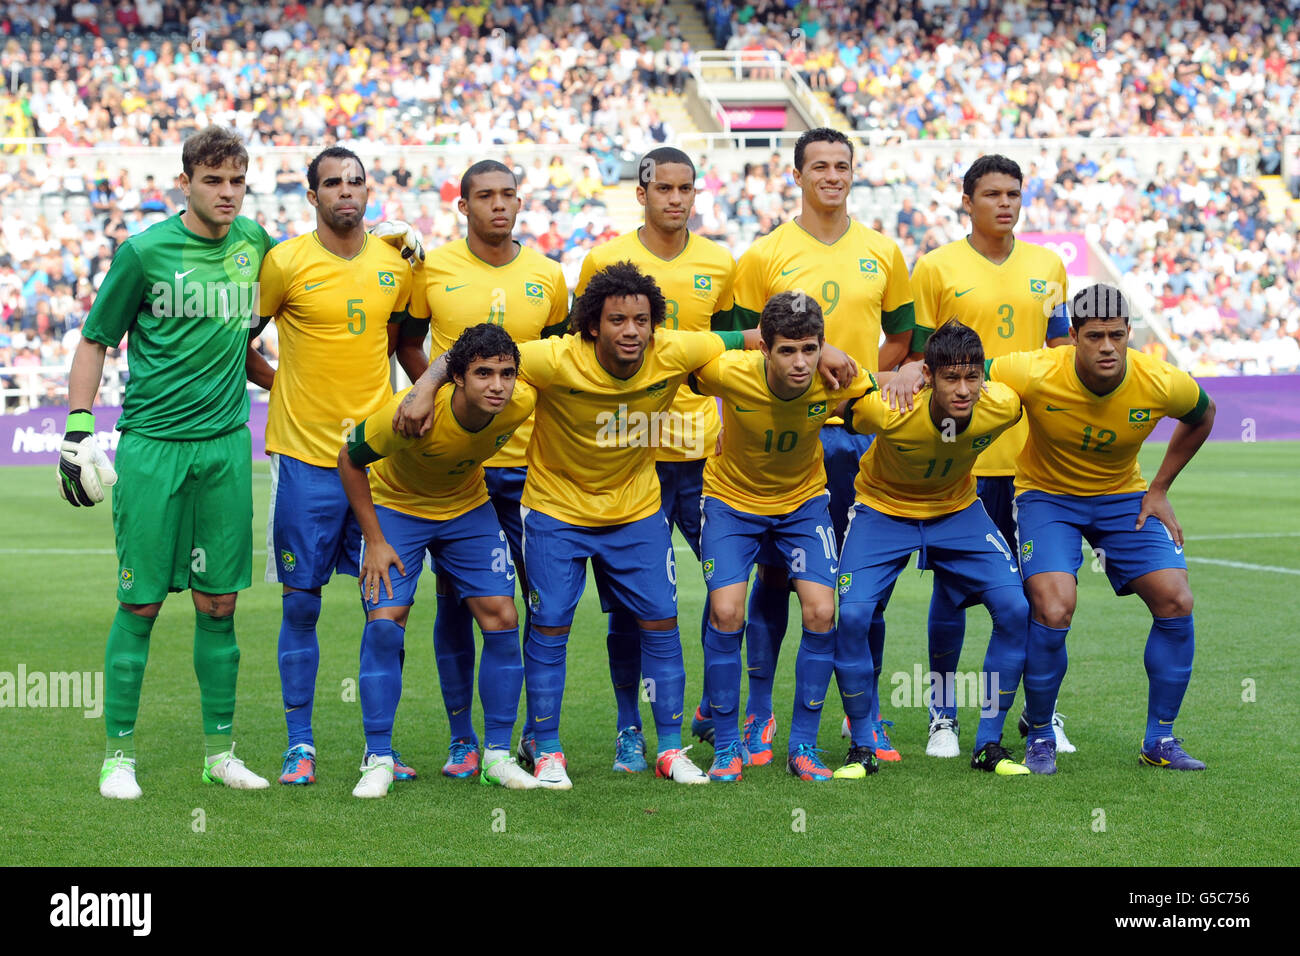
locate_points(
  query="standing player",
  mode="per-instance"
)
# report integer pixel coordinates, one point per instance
(695, 276)
(916, 492)
(486, 277)
(1012, 294)
(1090, 407)
(859, 278)
(182, 511)
(339, 298)
(428, 494)
(768, 487)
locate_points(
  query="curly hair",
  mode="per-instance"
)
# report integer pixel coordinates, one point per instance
(616, 281)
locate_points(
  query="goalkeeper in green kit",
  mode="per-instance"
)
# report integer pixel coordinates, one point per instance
(184, 289)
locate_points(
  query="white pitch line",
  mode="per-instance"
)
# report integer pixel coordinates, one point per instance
(1244, 566)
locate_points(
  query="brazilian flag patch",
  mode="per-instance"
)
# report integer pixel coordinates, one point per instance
(128, 579)
(868, 265)
(708, 569)
(845, 582)
(704, 283)
(387, 280)
(1138, 416)
(816, 408)
(1038, 286)
(1027, 550)
(288, 561)
(982, 442)
(533, 290)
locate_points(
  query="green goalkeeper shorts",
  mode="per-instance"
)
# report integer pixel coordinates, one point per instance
(183, 516)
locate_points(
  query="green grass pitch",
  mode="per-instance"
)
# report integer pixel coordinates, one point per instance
(1239, 505)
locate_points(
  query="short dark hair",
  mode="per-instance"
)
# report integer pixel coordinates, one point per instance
(334, 152)
(212, 147)
(661, 155)
(481, 341)
(993, 163)
(615, 281)
(1098, 301)
(481, 167)
(953, 344)
(794, 314)
(822, 134)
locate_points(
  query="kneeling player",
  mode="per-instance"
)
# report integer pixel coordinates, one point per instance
(429, 493)
(766, 492)
(915, 491)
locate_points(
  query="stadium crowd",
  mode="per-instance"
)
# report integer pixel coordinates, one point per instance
(1206, 252)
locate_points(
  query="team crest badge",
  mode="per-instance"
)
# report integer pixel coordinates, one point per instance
(708, 569)
(128, 579)
(1027, 550)
(982, 442)
(870, 266)
(243, 263)
(387, 280)
(1038, 286)
(534, 599)
(1139, 416)
(502, 439)
(288, 561)
(703, 283)
(533, 290)
(845, 582)
(816, 408)
(657, 387)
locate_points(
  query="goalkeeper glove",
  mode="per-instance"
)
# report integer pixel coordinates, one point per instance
(84, 469)
(403, 237)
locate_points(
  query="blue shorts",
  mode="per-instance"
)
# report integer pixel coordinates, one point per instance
(471, 550)
(731, 541)
(1051, 529)
(633, 565)
(681, 483)
(966, 552)
(505, 487)
(998, 492)
(312, 532)
(842, 452)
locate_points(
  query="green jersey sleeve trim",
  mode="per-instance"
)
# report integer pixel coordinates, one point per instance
(902, 319)
(1198, 410)
(732, 340)
(399, 317)
(724, 321)
(693, 383)
(559, 328)
(413, 328)
(742, 318)
(920, 335)
(361, 453)
(988, 368)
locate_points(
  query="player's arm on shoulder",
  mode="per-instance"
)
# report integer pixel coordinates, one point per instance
(1189, 435)
(403, 237)
(865, 414)
(898, 388)
(863, 383)
(414, 414)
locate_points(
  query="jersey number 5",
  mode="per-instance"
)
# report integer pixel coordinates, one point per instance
(356, 312)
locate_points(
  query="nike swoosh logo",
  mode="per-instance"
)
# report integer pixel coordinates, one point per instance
(125, 733)
(223, 726)
(290, 710)
(313, 285)
(739, 409)
(678, 716)
(575, 391)
(1006, 692)
(453, 288)
(1053, 408)
(903, 448)
(182, 275)
(816, 703)
(786, 272)
(958, 295)
(460, 710)
(858, 694)
(538, 720)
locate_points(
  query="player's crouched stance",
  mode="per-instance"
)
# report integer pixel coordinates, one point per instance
(429, 493)
(915, 492)
(766, 494)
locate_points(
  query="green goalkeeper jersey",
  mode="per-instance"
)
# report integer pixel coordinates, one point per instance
(188, 303)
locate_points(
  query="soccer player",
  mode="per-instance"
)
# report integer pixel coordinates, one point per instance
(1090, 407)
(183, 508)
(695, 276)
(859, 278)
(767, 487)
(339, 298)
(592, 492)
(916, 492)
(1012, 293)
(429, 494)
(486, 277)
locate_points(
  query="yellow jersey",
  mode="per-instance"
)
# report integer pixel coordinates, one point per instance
(591, 460)
(696, 284)
(439, 475)
(860, 280)
(333, 316)
(1085, 444)
(526, 296)
(1013, 306)
(916, 469)
(771, 460)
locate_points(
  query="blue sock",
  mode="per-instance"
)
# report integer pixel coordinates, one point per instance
(876, 638)
(854, 669)
(812, 676)
(381, 683)
(661, 663)
(722, 683)
(453, 651)
(705, 713)
(299, 654)
(500, 679)
(1045, 664)
(544, 660)
(1003, 661)
(769, 615)
(527, 729)
(1171, 645)
(624, 646)
(946, 631)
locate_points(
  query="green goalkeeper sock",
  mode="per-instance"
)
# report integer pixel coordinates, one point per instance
(124, 660)
(216, 663)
